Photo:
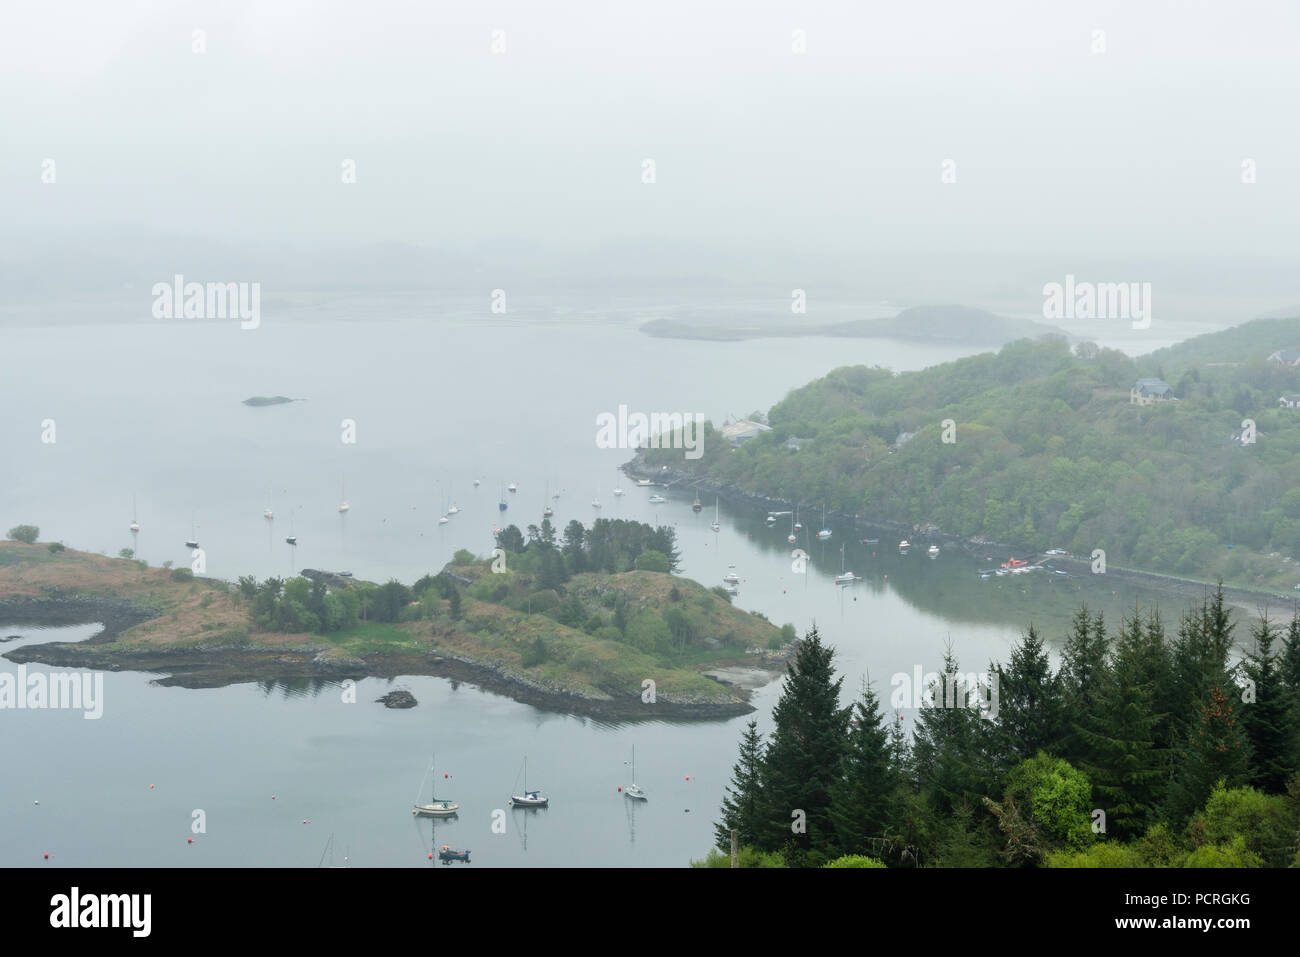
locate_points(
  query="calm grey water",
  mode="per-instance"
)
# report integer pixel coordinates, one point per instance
(152, 411)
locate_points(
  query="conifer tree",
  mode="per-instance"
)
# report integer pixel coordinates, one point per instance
(741, 803)
(1216, 750)
(1265, 715)
(1128, 768)
(1083, 678)
(1029, 717)
(950, 747)
(1199, 661)
(805, 751)
(865, 795)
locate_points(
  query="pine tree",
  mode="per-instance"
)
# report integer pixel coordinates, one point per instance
(1216, 750)
(865, 795)
(1265, 713)
(1029, 717)
(951, 744)
(1083, 678)
(1128, 769)
(1200, 661)
(741, 803)
(804, 752)
(1290, 669)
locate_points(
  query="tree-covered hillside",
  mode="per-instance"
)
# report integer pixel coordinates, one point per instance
(1048, 451)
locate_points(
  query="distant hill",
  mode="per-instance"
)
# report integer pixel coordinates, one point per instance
(957, 324)
(960, 325)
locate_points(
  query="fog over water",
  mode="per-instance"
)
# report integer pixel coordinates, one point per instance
(458, 218)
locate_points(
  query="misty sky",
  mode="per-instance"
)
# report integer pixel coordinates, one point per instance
(763, 157)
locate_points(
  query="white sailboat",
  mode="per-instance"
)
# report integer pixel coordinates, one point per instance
(844, 577)
(933, 551)
(731, 578)
(443, 519)
(619, 493)
(193, 540)
(547, 511)
(512, 487)
(715, 524)
(791, 538)
(533, 798)
(825, 533)
(135, 525)
(633, 790)
(343, 497)
(266, 512)
(595, 502)
(435, 807)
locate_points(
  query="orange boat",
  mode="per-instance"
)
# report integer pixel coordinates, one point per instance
(1014, 563)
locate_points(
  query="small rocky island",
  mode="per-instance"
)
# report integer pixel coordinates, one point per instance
(260, 400)
(554, 632)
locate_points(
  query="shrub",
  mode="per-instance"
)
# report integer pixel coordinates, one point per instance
(535, 654)
(1233, 854)
(747, 857)
(1263, 822)
(126, 553)
(854, 860)
(1101, 854)
(206, 600)
(652, 561)
(182, 575)
(463, 556)
(56, 547)
(491, 589)
(1056, 797)
(25, 533)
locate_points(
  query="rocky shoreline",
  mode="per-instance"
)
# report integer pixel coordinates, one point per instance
(216, 666)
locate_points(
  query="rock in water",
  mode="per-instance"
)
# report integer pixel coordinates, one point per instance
(398, 699)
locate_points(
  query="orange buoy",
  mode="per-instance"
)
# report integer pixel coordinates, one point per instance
(430, 856)
(190, 841)
(151, 787)
(47, 857)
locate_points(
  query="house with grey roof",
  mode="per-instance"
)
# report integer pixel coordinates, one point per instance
(1149, 390)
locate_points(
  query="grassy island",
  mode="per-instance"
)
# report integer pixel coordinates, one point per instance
(596, 624)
